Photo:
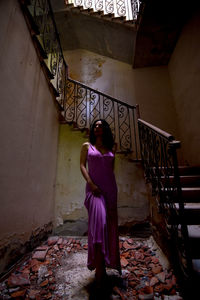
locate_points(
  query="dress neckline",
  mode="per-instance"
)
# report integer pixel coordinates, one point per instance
(99, 150)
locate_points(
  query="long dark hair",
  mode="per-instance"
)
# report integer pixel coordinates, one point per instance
(107, 137)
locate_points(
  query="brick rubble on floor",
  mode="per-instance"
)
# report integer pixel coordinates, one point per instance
(145, 277)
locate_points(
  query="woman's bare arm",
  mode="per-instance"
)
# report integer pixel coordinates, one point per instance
(83, 160)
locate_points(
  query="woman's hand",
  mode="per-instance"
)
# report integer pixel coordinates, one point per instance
(95, 190)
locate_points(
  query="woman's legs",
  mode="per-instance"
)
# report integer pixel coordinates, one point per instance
(100, 263)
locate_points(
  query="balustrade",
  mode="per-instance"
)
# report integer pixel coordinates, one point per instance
(84, 105)
(159, 158)
(119, 8)
(48, 37)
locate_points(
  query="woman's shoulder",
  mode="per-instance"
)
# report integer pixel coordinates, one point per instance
(85, 146)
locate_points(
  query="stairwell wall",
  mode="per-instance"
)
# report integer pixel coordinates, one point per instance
(184, 70)
(148, 87)
(29, 135)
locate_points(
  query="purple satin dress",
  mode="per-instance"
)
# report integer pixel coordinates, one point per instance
(102, 210)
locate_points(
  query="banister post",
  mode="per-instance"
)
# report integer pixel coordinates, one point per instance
(137, 111)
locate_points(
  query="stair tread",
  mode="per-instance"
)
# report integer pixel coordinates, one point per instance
(185, 180)
(191, 189)
(186, 170)
(192, 206)
(194, 231)
(189, 206)
(182, 176)
(196, 265)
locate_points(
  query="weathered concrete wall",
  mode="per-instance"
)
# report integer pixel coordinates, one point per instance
(29, 136)
(148, 87)
(184, 70)
(70, 185)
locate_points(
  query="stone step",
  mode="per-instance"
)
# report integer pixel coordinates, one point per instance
(189, 170)
(194, 240)
(186, 180)
(196, 266)
(108, 16)
(191, 215)
(119, 19)
(183, 170)
(191, 194)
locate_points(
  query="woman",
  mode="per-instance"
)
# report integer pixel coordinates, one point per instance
(101, 199)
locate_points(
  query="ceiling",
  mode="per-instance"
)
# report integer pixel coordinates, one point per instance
(152, 44)
(93, 33)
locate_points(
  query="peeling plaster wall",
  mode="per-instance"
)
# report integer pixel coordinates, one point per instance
(70, 185)
(148, 87)
(184, 69)
(29, 135)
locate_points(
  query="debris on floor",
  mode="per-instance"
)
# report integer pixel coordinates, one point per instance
(57, 270)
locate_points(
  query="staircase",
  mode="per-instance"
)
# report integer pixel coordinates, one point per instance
(78, 103)
(124, 11)
(177, 190)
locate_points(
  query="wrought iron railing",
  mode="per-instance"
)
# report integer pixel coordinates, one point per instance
(48, 37)
(84, 105)
(159, 158)
(119, 8)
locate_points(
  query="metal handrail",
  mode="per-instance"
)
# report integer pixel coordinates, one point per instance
(102, 94)
(157, 130)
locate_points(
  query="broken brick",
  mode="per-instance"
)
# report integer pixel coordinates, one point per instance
(18, 280)
(124, 262)
(44, 283)
(52, 240)
(156, 269)
(19, 294)
(161, 277)
(40, 255)
(153, 281)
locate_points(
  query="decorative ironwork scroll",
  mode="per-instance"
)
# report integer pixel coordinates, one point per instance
(109, 6)
(87, 4)
(99, 5)
(85, 105)
(135, 8)
(78, 2)
(121, 8)
(109, 113)
(124, 125)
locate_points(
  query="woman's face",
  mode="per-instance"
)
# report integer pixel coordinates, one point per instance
(98, 128)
